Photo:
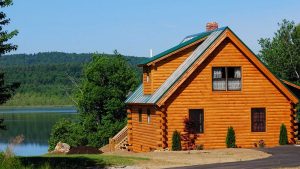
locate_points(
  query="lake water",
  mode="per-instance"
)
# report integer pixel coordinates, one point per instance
(35, 124)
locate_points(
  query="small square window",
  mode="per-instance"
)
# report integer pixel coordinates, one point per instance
(226, 78)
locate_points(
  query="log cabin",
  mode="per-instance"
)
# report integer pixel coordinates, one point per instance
(214, 80)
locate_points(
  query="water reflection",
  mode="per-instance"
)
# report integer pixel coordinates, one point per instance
(35, 124)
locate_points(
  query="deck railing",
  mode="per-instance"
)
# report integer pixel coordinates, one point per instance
(118, 139)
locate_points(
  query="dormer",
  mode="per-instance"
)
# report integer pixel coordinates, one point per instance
(158, 68)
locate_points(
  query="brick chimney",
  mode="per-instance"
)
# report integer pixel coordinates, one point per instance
(210, 26)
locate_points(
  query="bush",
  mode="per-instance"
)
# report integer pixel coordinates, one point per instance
(68, 132)
(283, 138)
(176, 141)
(230, 138)
(190, 135)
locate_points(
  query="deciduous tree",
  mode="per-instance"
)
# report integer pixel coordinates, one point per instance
(282, 53)
(106, 83)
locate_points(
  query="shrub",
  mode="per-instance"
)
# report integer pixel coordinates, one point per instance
(176, 141)
(283, 139)
(68, 132)
(190, 135)
(230, 138)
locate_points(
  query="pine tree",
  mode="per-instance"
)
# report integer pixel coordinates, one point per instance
(176, 141)
(6, 90)
(230, 138)
(283, 139)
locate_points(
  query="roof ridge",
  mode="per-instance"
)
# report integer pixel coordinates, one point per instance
(182, 44)
(197, 34)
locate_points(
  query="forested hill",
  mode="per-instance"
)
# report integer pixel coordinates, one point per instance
(45, 77)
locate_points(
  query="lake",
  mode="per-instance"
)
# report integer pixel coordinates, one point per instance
(35, 124)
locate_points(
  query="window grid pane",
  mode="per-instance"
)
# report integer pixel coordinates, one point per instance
(197, 117)
(226, 78)
(258, 119)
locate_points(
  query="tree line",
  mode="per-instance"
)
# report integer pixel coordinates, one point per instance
(48, 78)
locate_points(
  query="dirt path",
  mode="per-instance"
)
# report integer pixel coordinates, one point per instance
(186, 158)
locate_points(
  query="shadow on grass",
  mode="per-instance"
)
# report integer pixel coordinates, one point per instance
(61, 162)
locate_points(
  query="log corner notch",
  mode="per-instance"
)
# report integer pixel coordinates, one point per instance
(163, 127)
(294, 124)
(129, 125)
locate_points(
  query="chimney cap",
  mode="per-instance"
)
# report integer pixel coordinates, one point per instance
(210, 26)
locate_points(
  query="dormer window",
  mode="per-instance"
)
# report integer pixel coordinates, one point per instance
(147, 74)
(148, 78)
(226, 78)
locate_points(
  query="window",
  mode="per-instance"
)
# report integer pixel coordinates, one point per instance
(140, 114)
(197, 117)
(148, 116)
(258, 119)
(147, 74)
(226, 78)
(219, 78)
(148, 78)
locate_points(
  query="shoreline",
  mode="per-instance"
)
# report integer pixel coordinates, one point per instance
(37, 106)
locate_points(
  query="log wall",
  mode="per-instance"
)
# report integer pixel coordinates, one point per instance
(161, 70)
(145, 137)
(230, 108)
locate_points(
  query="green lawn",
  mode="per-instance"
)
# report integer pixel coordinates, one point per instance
(76, 161)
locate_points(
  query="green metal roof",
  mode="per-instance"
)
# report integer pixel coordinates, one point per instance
(139, 97)
(184, 43)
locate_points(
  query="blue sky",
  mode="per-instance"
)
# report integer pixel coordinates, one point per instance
(135, 26)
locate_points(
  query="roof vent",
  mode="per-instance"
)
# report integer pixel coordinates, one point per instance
(210, 26)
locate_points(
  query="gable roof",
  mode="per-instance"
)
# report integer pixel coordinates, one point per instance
(138, 95)
(194, 60)
(186, 42)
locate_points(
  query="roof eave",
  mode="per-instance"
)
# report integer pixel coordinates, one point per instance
(142, 104)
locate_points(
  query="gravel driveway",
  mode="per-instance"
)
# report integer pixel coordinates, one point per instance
(282, 157)
(185, 158)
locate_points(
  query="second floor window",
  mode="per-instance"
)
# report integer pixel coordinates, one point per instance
(226, 78)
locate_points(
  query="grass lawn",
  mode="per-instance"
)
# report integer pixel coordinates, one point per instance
(78, 161)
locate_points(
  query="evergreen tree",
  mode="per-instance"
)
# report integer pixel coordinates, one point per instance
(230, 138)
(176, 141)
(283, 138)
(6, 90)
